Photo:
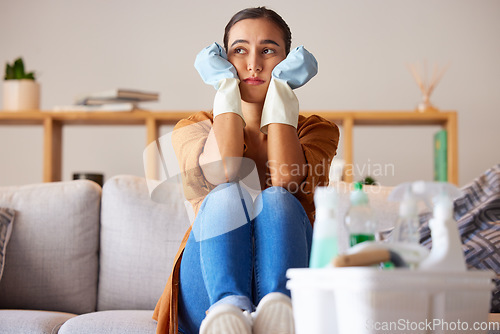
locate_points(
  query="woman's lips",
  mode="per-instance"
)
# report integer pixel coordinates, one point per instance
(253, 81)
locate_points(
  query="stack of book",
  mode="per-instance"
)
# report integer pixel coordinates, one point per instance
(111, 100)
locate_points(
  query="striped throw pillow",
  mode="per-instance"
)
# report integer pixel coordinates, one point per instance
(6, 219)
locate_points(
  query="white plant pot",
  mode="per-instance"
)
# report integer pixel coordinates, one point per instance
(21, 95)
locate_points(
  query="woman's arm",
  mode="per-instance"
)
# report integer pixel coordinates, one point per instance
(224, 145)
(287, 163)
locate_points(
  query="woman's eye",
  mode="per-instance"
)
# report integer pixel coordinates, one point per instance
(239, 50)
(268, 51)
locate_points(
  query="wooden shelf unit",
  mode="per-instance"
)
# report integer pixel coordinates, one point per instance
(53, 123)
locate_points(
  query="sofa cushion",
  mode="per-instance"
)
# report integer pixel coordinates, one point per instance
(25, 321)
(52, 255)
(6, 219)
(111, 322)
(139, 239)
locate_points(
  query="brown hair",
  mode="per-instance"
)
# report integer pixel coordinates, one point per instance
(257, 13)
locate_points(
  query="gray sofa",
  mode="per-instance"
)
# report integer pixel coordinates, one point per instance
(82, 260)
(85, 260)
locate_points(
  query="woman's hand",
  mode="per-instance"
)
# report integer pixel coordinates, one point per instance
(216, 70)
(281, 104)
(297, 69)
(287, 163)
(219, 160)
(213, 66)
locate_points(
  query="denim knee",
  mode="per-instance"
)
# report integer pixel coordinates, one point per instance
(227, 207)
(228, 194)
(280, 202)
(278, 197)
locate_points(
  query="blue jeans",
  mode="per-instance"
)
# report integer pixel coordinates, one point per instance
(239, 250)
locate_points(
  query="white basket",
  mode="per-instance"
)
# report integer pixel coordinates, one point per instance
(366, 300)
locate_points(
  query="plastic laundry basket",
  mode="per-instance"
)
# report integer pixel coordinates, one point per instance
(367, 300)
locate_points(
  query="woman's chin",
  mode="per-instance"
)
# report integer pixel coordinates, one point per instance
(253, 98)
(253, 95)
(253, 101)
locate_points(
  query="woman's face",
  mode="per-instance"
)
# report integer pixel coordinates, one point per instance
(255, 47)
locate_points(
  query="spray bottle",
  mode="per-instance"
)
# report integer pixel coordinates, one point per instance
(406, 229)
(359, 219)
(325, 242)
(405, 238)
(446, 253)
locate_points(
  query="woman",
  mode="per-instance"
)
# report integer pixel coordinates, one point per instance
(234, 259)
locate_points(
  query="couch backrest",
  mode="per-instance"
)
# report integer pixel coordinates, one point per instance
(139, 239)
(51, 259)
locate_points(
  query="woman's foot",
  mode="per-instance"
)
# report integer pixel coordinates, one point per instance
(226, 319)
(274, 315)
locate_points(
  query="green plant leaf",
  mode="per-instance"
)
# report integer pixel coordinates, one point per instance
(368, 181)
(9, 72)
(19, 68)
(30, 75)
(16, 71)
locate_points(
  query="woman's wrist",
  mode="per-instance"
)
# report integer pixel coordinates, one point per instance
(286, 160)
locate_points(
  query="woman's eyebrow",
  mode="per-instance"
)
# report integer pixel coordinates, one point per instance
(264, 41)
(269, 41)
(239, 41)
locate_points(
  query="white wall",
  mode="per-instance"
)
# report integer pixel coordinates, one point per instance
(362, 46)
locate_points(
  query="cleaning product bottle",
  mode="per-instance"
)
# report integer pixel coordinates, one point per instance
(446, 252)
(359, 220)
(407, 225)
(324, 242)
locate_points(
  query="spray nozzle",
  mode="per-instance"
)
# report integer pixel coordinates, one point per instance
(408, 198)
(442, 195)
(428, 192)
(443, 201)
(434, 189)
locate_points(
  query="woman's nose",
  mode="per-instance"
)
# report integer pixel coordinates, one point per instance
(254, 64)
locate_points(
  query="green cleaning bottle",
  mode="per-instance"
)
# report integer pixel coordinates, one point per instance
(324, 243)
(359, 219)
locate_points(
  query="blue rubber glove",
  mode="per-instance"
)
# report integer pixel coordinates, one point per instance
(281, 105)
(216, 70)
(297, 69)
(213, 66)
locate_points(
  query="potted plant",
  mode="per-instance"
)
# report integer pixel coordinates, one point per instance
(20, 89)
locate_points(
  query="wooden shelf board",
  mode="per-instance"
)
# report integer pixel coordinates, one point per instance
(348, 119)
(139, 116)
(21, 118)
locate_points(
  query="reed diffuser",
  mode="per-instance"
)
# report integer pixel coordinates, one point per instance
(426, 84)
